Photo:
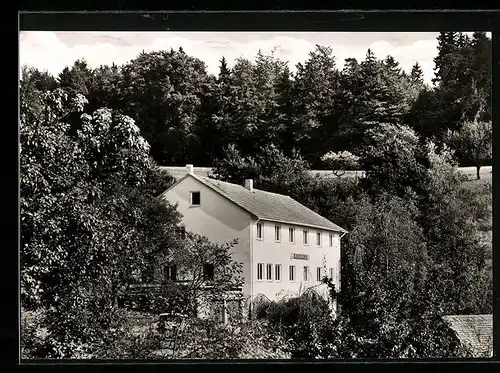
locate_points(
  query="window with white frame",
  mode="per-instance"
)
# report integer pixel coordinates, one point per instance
(260, 271)
(269, 272)
(306, 273)
(195, 198)
(277, 272)
(291, 273)
(259, 231)
(318, 238)
(291, 234)
(277, 232)
(318, 274)
(331, 239)
(306, 236)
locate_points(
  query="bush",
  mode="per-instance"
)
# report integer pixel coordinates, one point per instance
(305, 322)
(194, 339)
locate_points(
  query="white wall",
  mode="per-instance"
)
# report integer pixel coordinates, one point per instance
(221, 221)
(268, 251)
(216, 218)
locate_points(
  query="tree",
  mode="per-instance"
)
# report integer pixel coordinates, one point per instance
(450, 215)
(249, 108)
(34, 79)
(374, 92)
(77, 78)
(315, 102)
(196, 287)
(447, 45)
(271, 170)
(392, 65)
(106, 90)
(463, 80)
(89, 215)
(474, 141)
(305, 321)
(390, 160)
(481, 68)
(162, 91)
(417, 74)
(341, 161)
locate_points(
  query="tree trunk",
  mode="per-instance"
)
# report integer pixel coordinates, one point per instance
(477, 172)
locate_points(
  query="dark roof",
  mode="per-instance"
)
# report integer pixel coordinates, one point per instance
(178, 172)
(269, 206)
(473, 331)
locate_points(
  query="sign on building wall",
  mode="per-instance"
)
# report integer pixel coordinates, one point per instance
(300, 256)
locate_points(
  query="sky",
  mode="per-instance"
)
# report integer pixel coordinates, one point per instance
(52, 51)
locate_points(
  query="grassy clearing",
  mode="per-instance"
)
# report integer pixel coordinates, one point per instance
(485, 172)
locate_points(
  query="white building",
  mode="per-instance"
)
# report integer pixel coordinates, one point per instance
(285, 247)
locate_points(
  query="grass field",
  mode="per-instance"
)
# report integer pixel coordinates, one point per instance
(486, 172)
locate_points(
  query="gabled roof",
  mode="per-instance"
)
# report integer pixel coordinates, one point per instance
(268, 206)
(474, 331)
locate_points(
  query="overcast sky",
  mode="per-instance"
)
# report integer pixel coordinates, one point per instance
(53, 51)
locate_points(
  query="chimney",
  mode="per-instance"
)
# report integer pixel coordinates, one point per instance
(249, 184)
(189, 168)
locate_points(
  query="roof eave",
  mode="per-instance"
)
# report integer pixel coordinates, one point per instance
(224, 195)
(177, 182)
(200, 179)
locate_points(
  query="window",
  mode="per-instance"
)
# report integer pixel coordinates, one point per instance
(318, 274)
(306, 236)
(306, 273)
(195, 198)
(331, 239)
(260, 271)
(331, 274)
(277, 272)
(277, 232)
(318, 238)
(291, 272)
(269, 272)
(208, 271)
(291, 234)
(259, 231)
(170, 272)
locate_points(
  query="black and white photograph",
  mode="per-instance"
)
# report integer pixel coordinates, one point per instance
(243, 195)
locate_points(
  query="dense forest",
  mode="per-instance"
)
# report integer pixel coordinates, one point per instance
(189, 116)
(418, 246)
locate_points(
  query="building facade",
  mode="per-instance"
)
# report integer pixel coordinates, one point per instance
(285, 248)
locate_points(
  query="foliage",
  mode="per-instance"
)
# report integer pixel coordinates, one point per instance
(189, 116)
(473, 141)
(305, 321)
(193, 289)
(91, 219)
(194, 339)
(341, 161)
(163, 92)
(271, 169)
(89, 214)
(390, 158)
(450, 219)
